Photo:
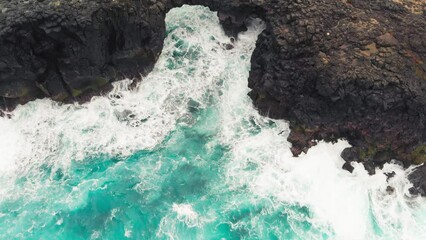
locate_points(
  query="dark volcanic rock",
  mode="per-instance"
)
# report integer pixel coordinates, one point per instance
(344, 69)
(63, 49)
(418, 178)
(353, 69)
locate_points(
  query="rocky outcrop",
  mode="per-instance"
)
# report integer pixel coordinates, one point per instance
(342, 69)
(418, 178)
(353, 69)
(65, 49)
(345, 69)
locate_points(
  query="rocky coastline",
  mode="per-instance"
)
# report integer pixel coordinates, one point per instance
(67, 49)
(352, 69)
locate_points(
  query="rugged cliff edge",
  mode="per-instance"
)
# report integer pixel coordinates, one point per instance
(64, 49)
(347, 69)
(352, 69)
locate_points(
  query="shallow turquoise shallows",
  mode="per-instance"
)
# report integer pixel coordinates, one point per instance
(186, 156)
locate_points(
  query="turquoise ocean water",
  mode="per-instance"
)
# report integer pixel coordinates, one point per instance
(186, 156)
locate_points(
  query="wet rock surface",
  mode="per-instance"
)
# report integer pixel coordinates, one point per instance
(418, 178)
(352, 69)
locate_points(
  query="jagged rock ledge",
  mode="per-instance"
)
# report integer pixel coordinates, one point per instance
(352, 69)
(65, 49)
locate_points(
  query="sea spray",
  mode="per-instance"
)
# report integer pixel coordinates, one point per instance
(184, 155)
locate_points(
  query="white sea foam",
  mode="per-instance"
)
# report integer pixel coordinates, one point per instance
(8, 140)
(186, 214)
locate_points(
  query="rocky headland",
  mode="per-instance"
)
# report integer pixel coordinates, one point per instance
(66, 49)
(352, 69)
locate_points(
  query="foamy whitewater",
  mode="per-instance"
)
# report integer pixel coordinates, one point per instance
(186, 156)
